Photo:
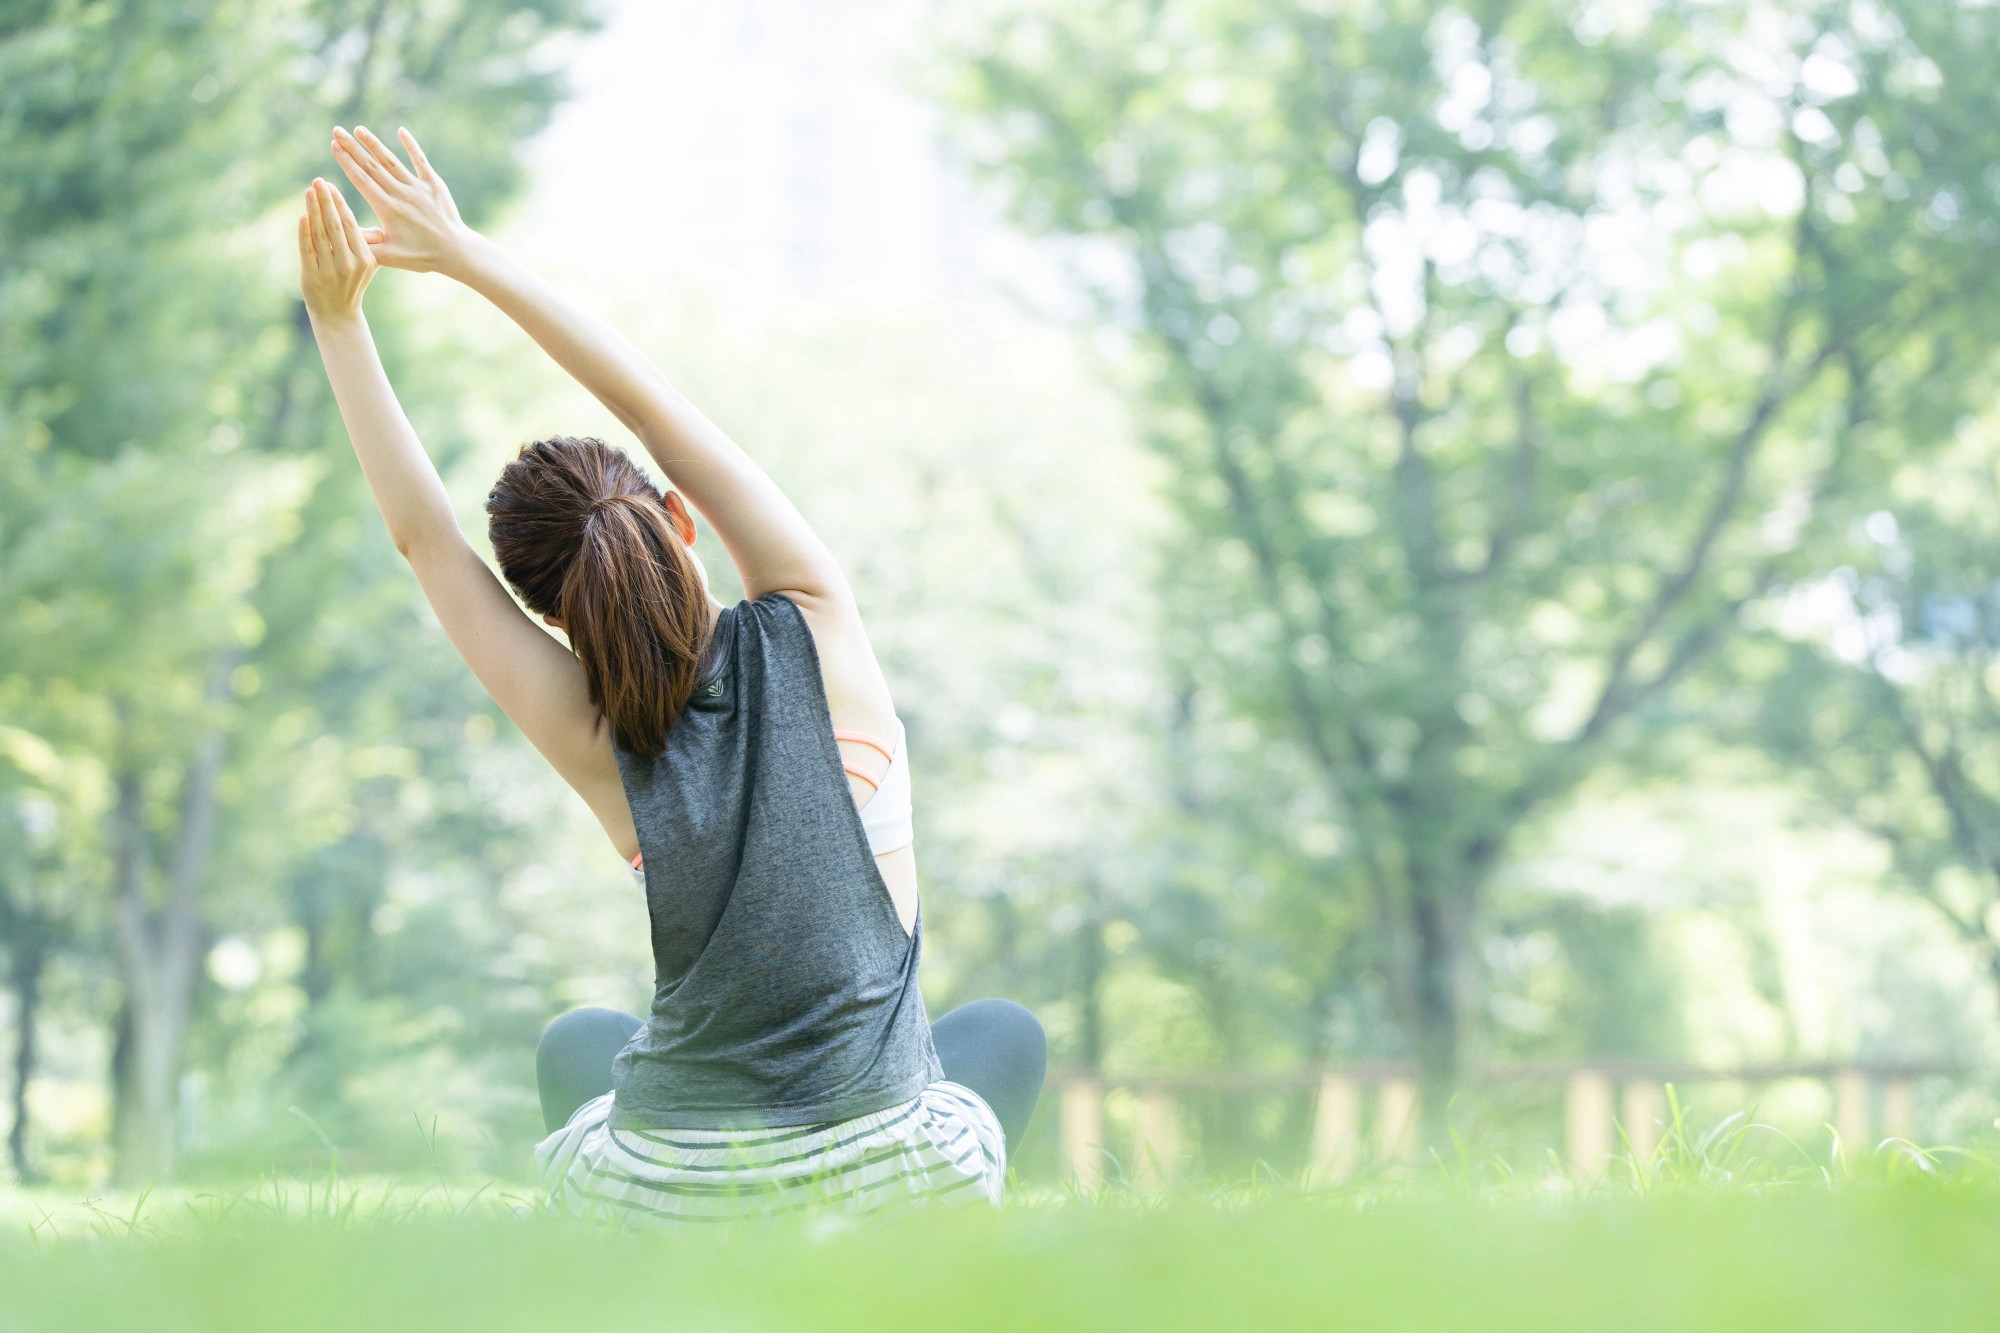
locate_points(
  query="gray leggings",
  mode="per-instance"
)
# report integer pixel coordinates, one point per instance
(994, 1047)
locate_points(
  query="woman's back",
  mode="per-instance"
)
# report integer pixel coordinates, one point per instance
(785, 985)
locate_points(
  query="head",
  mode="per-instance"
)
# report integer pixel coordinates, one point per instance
(594, 548)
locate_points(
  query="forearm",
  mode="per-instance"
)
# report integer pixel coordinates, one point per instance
(594, 354)
(400, 474)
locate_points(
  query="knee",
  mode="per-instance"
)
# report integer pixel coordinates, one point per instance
(1001, 1025)
(589, 1027)
(1017, 1025)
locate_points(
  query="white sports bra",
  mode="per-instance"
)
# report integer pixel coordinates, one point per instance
(887, 817)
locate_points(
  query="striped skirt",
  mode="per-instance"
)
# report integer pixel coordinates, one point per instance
(945, 1145)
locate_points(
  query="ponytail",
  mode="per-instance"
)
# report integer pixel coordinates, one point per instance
(583, 535)
(638, 619)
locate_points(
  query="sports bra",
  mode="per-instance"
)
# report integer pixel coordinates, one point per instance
(887, 818)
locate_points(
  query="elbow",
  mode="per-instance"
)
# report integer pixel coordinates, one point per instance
(410, 545)
(631, 417)
(427, 545)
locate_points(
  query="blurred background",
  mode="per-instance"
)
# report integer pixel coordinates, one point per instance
(1441, 556)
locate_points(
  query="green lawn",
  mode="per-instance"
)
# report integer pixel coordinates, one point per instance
(1919, 1254)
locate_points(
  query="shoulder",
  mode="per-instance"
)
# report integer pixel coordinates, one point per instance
(773, 629)
(773, 613)
(771, 604)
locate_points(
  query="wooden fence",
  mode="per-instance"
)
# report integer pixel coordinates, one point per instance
(1600, 1098)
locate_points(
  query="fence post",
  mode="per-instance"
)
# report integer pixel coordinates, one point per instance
(1396, 1119)
(1336, 1130)
(1899, 1110)
(1082, 1117)
(1850, 1112)
(1156, 1150)
(1644, 1105)
(1587, 1121)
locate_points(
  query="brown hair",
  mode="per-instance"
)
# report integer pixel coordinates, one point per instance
(585, 536)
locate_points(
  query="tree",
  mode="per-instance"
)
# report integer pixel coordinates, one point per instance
(114, 303)
(1500, 354)
(1889, 696)
(157, 386)
(40, 798)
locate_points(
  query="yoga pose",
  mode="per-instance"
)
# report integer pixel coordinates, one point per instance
(746, 761)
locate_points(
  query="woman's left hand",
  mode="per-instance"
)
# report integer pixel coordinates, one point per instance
(421, 230)
(335, 264)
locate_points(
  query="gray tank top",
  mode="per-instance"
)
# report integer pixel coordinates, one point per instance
(785, 988)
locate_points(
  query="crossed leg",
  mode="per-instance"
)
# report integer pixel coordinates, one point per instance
(995, 1047)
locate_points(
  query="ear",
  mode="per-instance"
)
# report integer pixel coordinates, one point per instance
(554, 623)
(677, 511)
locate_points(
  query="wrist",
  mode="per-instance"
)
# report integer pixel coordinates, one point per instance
(330, 323)
(468, 257)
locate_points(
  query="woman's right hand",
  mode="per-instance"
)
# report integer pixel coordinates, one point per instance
(420, 230)
(334, 263)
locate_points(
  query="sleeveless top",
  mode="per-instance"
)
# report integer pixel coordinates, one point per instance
(785, 988)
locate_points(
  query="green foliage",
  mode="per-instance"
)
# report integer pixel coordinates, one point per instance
(1592, 977)
(1889, 689)
(197, 630)
(1500, 355)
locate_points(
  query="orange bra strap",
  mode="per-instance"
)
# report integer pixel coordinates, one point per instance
(638, 860)
(863, 738)
(852, 771)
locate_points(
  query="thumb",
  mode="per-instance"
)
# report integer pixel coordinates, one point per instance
(374, 235)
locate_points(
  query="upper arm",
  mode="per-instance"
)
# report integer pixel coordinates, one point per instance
(537, 682)
(773, 548)
(769, 541)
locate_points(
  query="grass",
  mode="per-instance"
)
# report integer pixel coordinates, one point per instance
(1876, 1258)
(1712, 1233)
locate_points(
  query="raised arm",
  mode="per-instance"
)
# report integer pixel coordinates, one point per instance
(334, 272)
(769, 541)
(533, 678)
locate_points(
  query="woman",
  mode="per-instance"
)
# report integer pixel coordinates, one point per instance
(746, 761)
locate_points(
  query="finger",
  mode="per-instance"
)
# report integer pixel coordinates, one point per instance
(374, 236)
(322, 252)
(385, 153)
(322, 243)
(336, 237)
(423, 164)
(331, 227)
(371, 166)
(364, 180)
(305, 243)
(350, 230)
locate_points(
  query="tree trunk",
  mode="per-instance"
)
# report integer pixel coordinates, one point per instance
(121, 1069)
(29, 958)
(159, 953)
(1438, 1032)
(145, 1128)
